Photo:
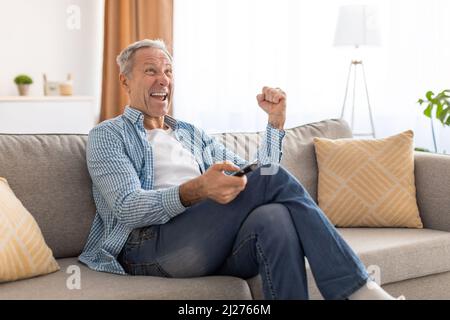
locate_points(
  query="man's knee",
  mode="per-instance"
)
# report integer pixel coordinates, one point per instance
(271, 218)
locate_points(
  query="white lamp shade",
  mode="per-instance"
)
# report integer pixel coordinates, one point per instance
(357, 25)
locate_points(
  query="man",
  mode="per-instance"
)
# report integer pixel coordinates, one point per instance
(159, 216)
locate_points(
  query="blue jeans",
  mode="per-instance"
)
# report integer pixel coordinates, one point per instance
(268, 229)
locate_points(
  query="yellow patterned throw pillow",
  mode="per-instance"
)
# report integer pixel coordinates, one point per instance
(368, 183)
(23, 251)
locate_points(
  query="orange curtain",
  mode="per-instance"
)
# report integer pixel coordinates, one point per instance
(127, 21)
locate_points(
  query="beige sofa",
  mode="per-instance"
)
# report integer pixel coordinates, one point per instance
(48, 173)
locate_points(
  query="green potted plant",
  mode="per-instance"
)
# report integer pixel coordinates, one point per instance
(437, 107)
(23, 82)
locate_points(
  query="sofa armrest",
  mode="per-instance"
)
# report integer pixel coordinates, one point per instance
(432, 177)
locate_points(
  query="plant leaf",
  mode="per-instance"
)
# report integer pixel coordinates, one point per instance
(438, 109)
(445, 94)
(429, 95)
(428, 110)
(446, 102)
(442, 115)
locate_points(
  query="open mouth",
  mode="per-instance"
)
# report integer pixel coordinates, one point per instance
(162, 96)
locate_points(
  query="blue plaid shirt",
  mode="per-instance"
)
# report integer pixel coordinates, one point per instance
(120, 162)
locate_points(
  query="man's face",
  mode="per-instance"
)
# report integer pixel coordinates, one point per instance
(149, 85)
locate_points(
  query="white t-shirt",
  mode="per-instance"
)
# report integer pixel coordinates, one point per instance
(173, 164)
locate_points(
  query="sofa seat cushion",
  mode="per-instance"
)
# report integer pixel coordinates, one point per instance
(400, 254)
(100, 285)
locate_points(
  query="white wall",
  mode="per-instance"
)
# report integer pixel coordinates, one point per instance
(35, 39)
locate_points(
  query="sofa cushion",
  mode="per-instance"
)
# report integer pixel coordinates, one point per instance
(432, 176)
(101, 285)
(298, 149)
(401, 253)
(48, 174)
(368, 182)
(397, 253)
(23, 251)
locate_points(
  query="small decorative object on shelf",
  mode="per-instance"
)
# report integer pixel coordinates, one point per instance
(65, 88)
(23, 82)
(50, 87)
(56, 88)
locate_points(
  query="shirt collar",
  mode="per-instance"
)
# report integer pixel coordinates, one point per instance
(137, 117)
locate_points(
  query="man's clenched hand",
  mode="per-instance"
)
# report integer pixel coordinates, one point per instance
(273, 102)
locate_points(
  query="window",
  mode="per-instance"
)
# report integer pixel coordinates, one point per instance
(226, 50)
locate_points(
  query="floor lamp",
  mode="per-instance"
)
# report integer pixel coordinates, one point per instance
(357, 26)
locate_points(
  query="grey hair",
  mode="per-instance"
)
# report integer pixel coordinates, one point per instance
(125, 58)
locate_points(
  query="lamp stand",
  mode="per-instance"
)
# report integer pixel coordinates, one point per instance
(354, 64)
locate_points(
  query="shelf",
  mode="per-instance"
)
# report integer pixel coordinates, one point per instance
(44, 98)
(46, 114)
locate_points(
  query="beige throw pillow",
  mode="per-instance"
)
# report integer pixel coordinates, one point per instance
(23, 251)
(368, 183)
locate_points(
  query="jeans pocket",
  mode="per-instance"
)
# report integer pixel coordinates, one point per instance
(146, 269)
(148, 233)
(138, 256)
(137, 236)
